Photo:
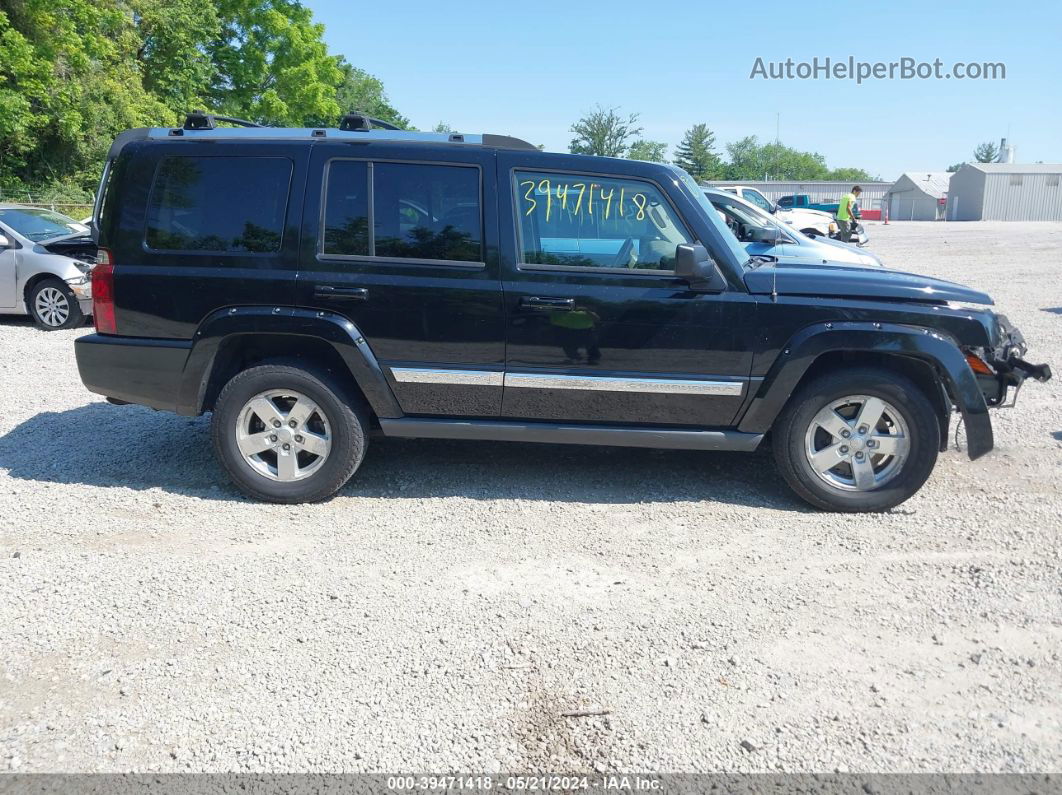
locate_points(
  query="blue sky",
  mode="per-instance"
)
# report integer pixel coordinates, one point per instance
(531, 69)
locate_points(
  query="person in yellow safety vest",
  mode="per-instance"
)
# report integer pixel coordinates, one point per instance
(848, 213)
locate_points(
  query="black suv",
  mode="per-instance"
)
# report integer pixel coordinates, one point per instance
(312, 286)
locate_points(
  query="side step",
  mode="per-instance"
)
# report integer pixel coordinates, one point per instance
(510, 431)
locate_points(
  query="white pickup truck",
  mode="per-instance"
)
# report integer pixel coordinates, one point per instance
(813, 223)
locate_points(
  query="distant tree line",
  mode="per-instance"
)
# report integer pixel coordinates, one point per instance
(605, 131)
(987, 152)
(74, 73)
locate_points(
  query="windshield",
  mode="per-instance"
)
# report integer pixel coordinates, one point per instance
(38, 224)
(710, 214)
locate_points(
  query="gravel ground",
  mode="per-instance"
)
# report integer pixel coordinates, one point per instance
(456, 599)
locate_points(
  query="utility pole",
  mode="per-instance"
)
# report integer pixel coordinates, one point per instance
(777, 128)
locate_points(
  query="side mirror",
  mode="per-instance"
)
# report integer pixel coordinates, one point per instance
(693, 264)
(774, 207)
(4, 242)
(768, 235)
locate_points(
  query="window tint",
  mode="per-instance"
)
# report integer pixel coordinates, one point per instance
(427, 212)
(347, 208)
(596, 222)
(219, 204)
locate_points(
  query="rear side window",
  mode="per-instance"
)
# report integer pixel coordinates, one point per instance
(220, 204)
(593, 221)
(418, 211)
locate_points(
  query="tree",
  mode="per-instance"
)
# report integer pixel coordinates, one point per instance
(955, 167)
(360, 91)
(986, 152)
(442, 127)
(849, 175)
(653, 151)
(272, 65)
(604, 132)
(696, 154)
(171, 51)
(749, 160)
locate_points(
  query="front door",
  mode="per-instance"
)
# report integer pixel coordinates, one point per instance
(408, 251)
(599, 327)
(8, 271)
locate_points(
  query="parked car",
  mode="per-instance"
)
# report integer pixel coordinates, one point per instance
(802, 201)
(275, 278)
(45, 259)
(763, 236)
(812, 223)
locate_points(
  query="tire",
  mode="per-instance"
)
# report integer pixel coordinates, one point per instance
(53, 306)
(325, 447)
(804, 448)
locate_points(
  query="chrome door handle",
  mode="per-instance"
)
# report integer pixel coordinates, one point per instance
(336, 293)
(547, 303)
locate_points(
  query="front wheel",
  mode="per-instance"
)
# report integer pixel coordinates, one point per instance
(857, 440)
(53, 306)
(284, 434)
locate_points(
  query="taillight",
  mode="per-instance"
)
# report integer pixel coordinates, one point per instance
(103, 293)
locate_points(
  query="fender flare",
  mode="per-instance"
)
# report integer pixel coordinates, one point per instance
(337, 330)
(913, 342)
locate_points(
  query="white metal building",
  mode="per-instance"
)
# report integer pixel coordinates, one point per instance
(1006, 192)
(918, 196)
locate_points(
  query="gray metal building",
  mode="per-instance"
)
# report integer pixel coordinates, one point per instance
(1006, 192)
(918, 196)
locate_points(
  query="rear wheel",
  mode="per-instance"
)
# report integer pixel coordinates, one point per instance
(53, 306)
(284, 434)
(857, 440)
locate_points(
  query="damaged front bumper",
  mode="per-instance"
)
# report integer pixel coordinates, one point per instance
(1005, 366)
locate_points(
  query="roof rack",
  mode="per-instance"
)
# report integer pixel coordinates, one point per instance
(198, 120)
(354, 126)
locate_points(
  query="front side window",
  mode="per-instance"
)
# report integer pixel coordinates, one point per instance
(427, 212)
(220, 204)
(592, 221)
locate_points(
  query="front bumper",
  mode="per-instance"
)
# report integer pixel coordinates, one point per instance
(1009, 366)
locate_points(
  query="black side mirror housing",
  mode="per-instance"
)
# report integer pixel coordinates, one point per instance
(768, 235)
(694, 265)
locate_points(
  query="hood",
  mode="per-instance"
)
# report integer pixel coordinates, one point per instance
(808, 211)
(842, 280)
(847, 252)
(79, 247)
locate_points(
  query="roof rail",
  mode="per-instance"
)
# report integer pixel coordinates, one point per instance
(356, 121)
(198, 120)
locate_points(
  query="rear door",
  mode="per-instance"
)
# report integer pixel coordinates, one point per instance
(403, 242)
(8, 271)
(599, 327)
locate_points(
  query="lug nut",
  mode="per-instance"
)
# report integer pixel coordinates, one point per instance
(276, 423)
(292, 423)
(863, 429)
(845, 434)
(871, 444)
(298, 439)
(272, 437)
(844, 449)
(859, 456)
(287, 446)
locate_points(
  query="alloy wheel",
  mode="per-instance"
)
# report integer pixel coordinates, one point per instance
(857, 443)
(283, 435)
(52, 306)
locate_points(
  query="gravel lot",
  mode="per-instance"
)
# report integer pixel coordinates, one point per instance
(456, 599)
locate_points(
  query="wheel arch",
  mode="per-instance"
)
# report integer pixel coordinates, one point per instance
(233, 339)
(932, 361)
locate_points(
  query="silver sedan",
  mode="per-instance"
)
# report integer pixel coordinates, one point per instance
(45, 261)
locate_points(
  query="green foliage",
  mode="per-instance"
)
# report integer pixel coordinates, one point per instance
(75, 73)
(604, 132)
(955, 167)
(986, 152)
(696, 154)
(849, 175)
(653, 151)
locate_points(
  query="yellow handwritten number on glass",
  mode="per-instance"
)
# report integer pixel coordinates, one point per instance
(530, 189)
(640, 201)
